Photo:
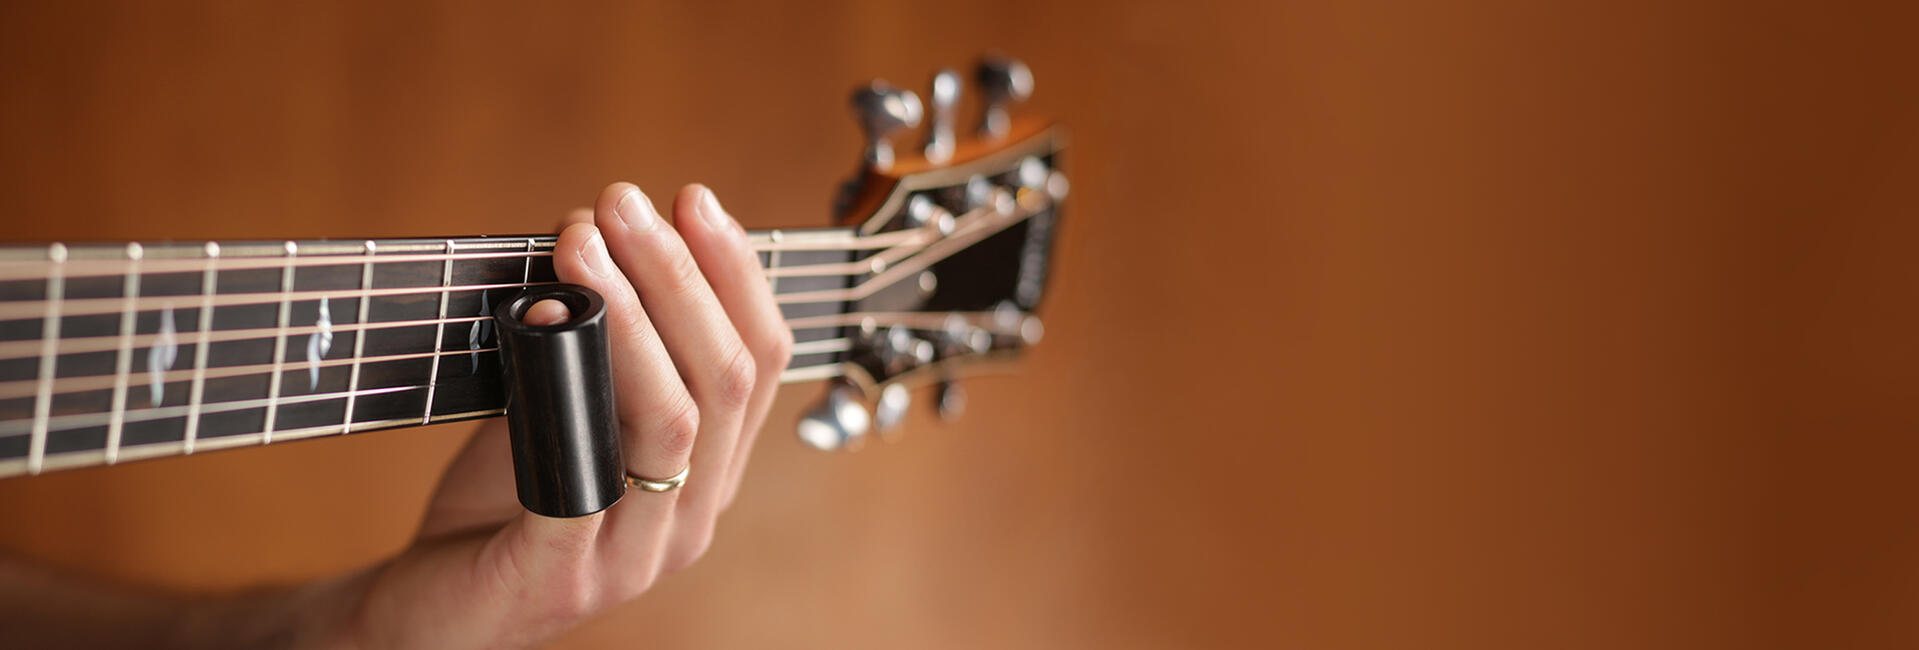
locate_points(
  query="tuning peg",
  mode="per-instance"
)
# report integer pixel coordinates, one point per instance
(952, 400)
(939, 133)
(890, 412)
(838, 422)
(1031, 174)
(896, 348)
(1003, 81)
(923, 212)
(959, 337)
(882, 110)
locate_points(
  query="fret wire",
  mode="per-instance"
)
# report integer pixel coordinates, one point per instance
(49, 337)
(526, 268)
(280, 345)
(439, 334)
(209, 284)
(123, 364)
(773, 263)
(359, 338)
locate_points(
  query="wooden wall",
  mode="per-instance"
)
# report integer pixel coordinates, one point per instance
(1376, 324)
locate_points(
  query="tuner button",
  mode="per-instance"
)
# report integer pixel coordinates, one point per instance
(958, 338)
(1003, 202)
(939, 137)
(952, 400)
(1031, 330)
(1057, 186)
(883, 109)
(1003, 81)
(1007, 317)
(979, 341)
(890, 412)
(928, 283)
(838, 422)
(896, 351)
(1031, 174)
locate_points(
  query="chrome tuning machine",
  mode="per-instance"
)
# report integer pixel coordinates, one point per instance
(952, 400)
(882, 110)
(890, 412)
(1002, 81)
(838, 422)
(940, 141)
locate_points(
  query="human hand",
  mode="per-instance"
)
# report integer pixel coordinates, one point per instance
(698, 345)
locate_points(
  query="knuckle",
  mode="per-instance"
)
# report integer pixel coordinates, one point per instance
(571, 595)
(629, 584)
(776, 348)
(684, 273)
(679, 429)
(552, 573)
(737, 376)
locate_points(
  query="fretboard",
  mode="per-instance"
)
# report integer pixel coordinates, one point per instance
(114, 352)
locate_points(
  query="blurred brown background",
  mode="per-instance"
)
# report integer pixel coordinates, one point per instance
(1376, 325)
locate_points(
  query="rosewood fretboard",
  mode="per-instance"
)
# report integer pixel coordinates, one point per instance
(120, 351)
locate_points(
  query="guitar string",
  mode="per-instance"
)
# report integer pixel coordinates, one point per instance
(85, 457)
(900, 243)
(76, 421)
(913, 320)
(30, 262)
(882, 273)
(28, 309)
(877, 264)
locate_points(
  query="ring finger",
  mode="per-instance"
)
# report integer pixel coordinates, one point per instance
(657, 418)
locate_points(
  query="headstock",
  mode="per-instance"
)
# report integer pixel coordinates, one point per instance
(962, 229)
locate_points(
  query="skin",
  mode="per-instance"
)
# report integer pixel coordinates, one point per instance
(698, 346)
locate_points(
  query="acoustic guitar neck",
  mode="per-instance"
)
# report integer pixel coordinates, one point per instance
(111, 352)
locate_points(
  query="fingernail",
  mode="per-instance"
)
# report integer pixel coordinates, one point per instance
(716, 216)
(635, 211)
(593, 253)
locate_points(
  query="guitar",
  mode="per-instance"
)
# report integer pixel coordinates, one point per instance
(114, 352)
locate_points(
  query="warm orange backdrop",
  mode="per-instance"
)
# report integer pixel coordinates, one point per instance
(1376, 324)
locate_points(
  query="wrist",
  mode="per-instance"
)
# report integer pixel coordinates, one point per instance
(322, 614)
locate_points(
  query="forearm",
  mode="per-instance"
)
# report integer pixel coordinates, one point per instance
(43, 608)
